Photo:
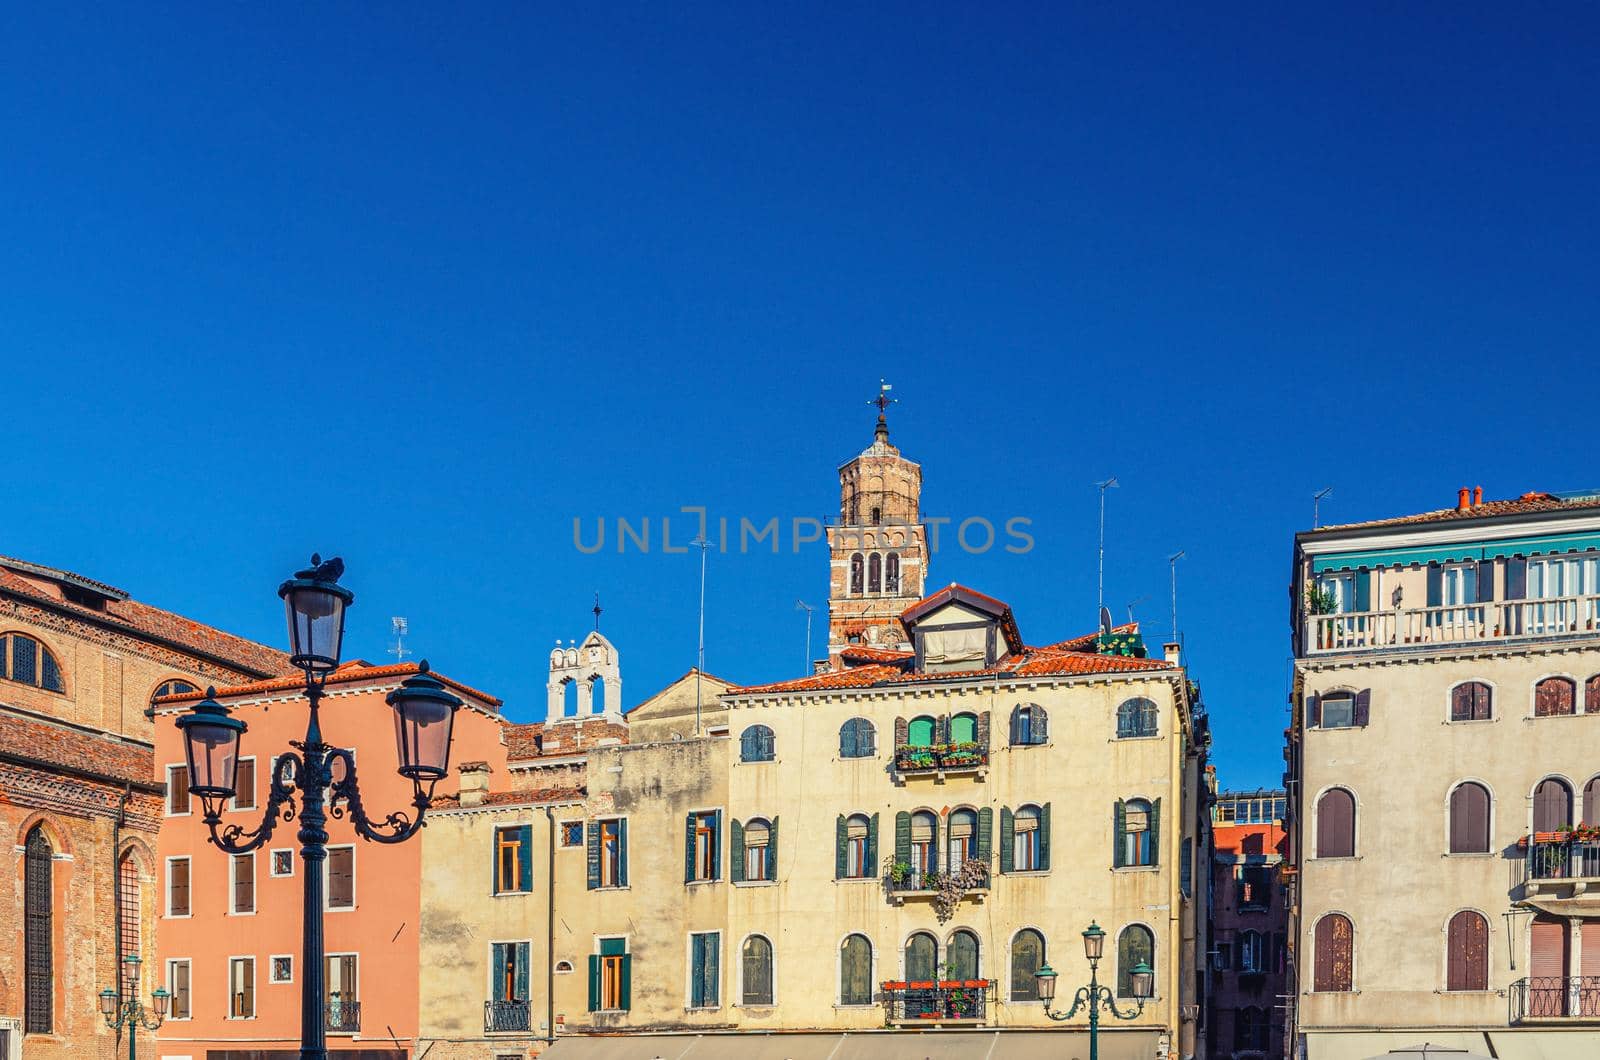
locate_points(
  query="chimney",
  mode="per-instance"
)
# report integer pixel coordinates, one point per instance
(1173, 653)
(1477, 496)
(474, 783)
(1463, 499)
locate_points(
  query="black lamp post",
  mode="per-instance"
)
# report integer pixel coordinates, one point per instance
(424, 713)
(125, 1010)
(1094, 996)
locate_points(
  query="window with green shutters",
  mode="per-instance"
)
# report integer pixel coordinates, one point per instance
(921, 957)
(607, 850)
(513, 859)
(705, 958)
(611, 977)
(702, 846)
(920, 732)
(1135, 944)
(964, 728)
(1027, 957)
(1137, 826)
(757, 854)
(855, 971)
(1025, 838)
(756, 971)
(855, 854)
(510, 960)
(857, 739)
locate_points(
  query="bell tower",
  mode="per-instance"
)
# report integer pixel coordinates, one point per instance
(877, 551)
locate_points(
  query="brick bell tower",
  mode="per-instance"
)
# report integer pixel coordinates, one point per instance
(878, 560)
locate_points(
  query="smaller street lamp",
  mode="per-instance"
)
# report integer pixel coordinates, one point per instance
(126, 1010)
(1094, 997)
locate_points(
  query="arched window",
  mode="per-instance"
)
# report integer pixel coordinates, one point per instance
(855, 971)
(1552, 805)
(38, 952)
(877, 516)
(857, 739)
(1136, 717)
(758, 851)
(922, 958)
(962, 832)
(756, 744)
(1472, 701)
(874, 573)
(1469, 819)
(128, 898)
(1554, 696)
(1029, 725)
(964, 728)
(756, 965)
(1135, 944)
(924, 842)
(858, 854)
(1027, 957)
(1134, 833)
(1026, 855)
(1591, 695)
(1335, 950)
(27, 661)
(1591, 802)
(920, 732)
(891, 573)
(962, 957)
(855, 574)
(1468, 952)
(1336, 824)
(175, 687)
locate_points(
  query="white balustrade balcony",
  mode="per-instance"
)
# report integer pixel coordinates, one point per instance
(1459, 624)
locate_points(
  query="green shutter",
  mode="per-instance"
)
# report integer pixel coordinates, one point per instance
(1155, 832)
(902, 837)
(716, 844)
(713, 970)
(872, 846)
(499, 988)
(525, 857)
(735, 851)
(622, 852)
(627, 982)
(840, 844)
(697, 971)
(985, 834)
(594, 854)
(772, 849)
(594, 982)
(522, 971)
(1044, 836)
(688, 848)
(1008, 840)
(613, 947)
(1119, 826)
(494, 861)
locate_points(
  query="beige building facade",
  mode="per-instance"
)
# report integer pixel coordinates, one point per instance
(1443, 759)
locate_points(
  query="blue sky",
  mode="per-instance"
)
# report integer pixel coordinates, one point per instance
(421, 285)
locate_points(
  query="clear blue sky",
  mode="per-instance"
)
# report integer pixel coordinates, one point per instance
(419, 284)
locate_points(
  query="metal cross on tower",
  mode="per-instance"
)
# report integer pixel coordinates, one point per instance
(597, 610)
(883, 400)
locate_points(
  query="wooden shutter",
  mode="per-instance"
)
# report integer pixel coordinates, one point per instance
(1119, 825)
(180, 990)
(1485, 581)
(901, 732)
(1468, 950)
(735, 851)
(1554, 696)
(1552, 806)
(244, 784)
(1435, 585)
(622, 852)
(244, 883)
(178, 789)
(847, 739)
(772, 849)
(1016, 725)
(594, 982)
(1362, 713)
(625, 986)
(983, 730)
(1008, 840)
(1041, 724)
(1591, 816)
(1313, 711)
(1336, 824)
(697, 971)
(1469, 821)
(688, 848)
(841, 845)
(520, 986)
(902, 837)
(1155, 832)
(1516, 578)
(1591, 696)
(593, 828)
(1334, 949)
(985, 834)
(341, 878)
(524, 855)
(872, 846)
(1549, 967)
(178, 887)
(498, 987)
(1044, 837)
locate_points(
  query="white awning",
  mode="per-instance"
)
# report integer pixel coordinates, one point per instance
(1367, 1045)
(987, 1044)
(1547, 1043)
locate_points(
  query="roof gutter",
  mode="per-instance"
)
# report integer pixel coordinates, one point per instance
(145, 786)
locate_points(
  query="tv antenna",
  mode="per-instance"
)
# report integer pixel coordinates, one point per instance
(700, 659)
(1133, 604)
(801, 605)
(1108, 484)
(399, 627)
(1173, 559)
(1316, 506)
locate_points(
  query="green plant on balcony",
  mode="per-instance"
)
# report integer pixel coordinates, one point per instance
(897, 871)
(961, 754)
(1320, 600)
(948, 887)
(915, 756)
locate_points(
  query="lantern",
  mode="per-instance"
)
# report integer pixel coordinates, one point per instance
(1094, 942)
(1045, 978)
(108, 1003)
(424, 713)
(160, 1000)
(1143, 981)
(314, 604)
(211, 743)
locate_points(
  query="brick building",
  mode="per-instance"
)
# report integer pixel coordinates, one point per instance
(1250, 923)
(79, 801)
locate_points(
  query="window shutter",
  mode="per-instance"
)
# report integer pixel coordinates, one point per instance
(1336, 824)
(901, 732)
(524, 857)
(1155, 832)
(244, 883)
(1363, 708)
(688, 848)
(985, 833)
(1016, 726)
(847, 740)
(625, 988)
(1044, 836)
(697, 971)
(867, 740)
(1485, 580)
(494, 861)
(1008, 839)
(1516, 578)
(983, 730)
(735, 851)
(902, 837)
(1314, 711)
(341, 878)
(772, 849)
(594, 982)
(521, 985)
(872, 846)
(178, 887)
(840, 843)
(1041, 724)
(1363, 584)
(1435, 585)
(498, 987)
(713, 970)
(622, 852)
(716, 844)
(594, 861)
(1119, 828)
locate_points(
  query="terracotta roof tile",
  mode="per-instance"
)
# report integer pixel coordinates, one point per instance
(1527, 504)
(72, 749)
(514, 798)
(356, 670)
(861, 653)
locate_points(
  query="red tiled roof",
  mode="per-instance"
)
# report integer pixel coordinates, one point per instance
(139, 619)
(74, 750)
(961, 594)
(861, 653)
(511, 798)
(1087, 641)
(355, 670)
(1527, 504)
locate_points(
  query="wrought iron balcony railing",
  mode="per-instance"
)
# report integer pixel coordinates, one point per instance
(341, 1017)
(500, 1017)
(1459, 624)
(940, 758)
(1540, 997)
(1555, 857)
(937, 1001)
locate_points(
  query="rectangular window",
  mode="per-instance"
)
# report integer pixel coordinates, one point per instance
(177, 791)
(1254, 886)
(510, 979)
(343, 1003)
(282, 863)
(513, 859)
(280, 969)
(611, 853)
(242, 891)
(572, 833)
(1222, 960)
(613, 966)
(244, 784)
(705, 958)
(178, 887)
(1338, 711)
(856, 863)
(1025, 843)
(705, 838)
(757, 838)
(242, 988)
(341, 880)
(178, 987)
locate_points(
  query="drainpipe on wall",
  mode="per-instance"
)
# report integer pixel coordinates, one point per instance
(116, 890)
(550, 928)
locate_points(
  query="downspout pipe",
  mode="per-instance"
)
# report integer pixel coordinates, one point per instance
(550, 927)
(116, 889)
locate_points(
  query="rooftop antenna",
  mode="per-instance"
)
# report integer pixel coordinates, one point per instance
(1108, 484)
(597, 610)
(1173, 559)
(801, 605)
(1133, 604)
(399, 627)
(1316, 506)
(700, 663)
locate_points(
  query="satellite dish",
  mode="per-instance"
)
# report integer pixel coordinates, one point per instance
(1105, 621)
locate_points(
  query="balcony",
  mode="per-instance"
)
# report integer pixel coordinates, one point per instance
(1564, 863)
(946, 888)
(940, 760)
(1425, 627)
(506, 1017)
(951, 1002)
(341, 1017)
(1570, 997)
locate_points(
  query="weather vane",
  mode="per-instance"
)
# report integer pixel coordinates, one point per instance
(597, 610)
(883, 400)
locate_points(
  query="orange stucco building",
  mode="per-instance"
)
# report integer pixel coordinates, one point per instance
(230, 926)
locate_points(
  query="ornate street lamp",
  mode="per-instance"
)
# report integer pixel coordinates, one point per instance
(125, 1010)
(1094, 996)
(424, 714)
